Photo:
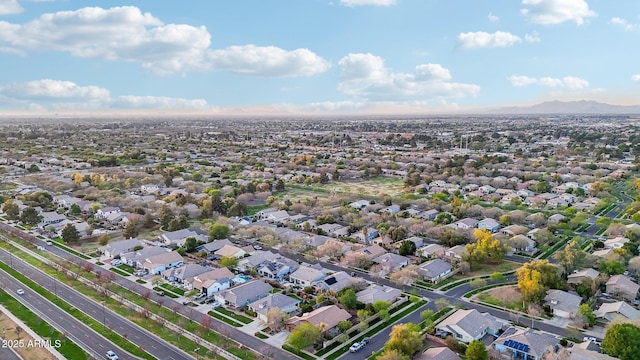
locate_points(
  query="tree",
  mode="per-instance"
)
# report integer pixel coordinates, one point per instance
(404, 338)
(485, 248)
(407, 247)
(611, 267)
(304, 336)
(348, 299)
(587, 313)
(11, 209)
(622, 340)
(404, 276)
(229, 262)
(477, 283)
(166, 215)
(535, 277)
(70, 234)
(30, 216)
(148, 221)
(476, 351)
(190, 244)
(275, 319)
(392, 355)
(130, 230)
(571, 257)
(496, 276)
(344, 325)
(442, 303)
(218, 231)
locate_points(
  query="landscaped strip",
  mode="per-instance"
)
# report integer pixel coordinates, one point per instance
(231, 314)
(68, 348)
(89, 321)
(70, 250)
(224, 318)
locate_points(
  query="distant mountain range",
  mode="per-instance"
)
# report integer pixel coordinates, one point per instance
(569, 107)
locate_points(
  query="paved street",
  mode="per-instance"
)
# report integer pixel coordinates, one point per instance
(142, 338)
(78, 332)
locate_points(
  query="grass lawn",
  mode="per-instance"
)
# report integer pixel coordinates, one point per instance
(231, 314)
(252, 210)
(488, 269)
(224, 318)
(127, 268)
(119, 272)
(173, 289)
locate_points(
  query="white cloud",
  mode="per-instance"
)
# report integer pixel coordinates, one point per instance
(364, 76)
(127, 34)
(47, 89)
(481, 39)
(624, 24)
(567, 82)
(8, 7)
(493, 18)
(354, 3)
(57, 94)
(534, 37)
(267, 61)
(551, 12)
(635, 78)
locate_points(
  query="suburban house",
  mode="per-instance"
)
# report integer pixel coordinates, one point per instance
(431, 251)
(391, 209)
(275, 270)
(211, 281)
(305, 276)
(50, 218)
(277, 217)
(618, 310)
(244, 294)
(117, 248)
(330, 316)
(621, 286)
(416, 240)
(137, 258)
(261, 307)
(438, 353)
(360, 204)
(159, 263)
(391, 262)
(180, 274)
(434, 270)
(521, 243)
(103, 213)
(489, 224)
(375, 292)
(466, 223)
(556, 218)
(525, 343)
(214, 246)
(562, 303)
(429, 214)
(469, 325)
(253, 261)
(454, 254)
(230, 251)
(615, 243)
(336, 281)
(580, 275)
(588, 351)
(178, 237)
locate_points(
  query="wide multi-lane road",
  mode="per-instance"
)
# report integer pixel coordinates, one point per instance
(135, 334)
(79, 333)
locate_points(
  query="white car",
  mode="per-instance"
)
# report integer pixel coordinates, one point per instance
(20, 292)
(356, 346)
(111, 355)
(216, 304)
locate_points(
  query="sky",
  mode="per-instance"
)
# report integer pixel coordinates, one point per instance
(315, 56)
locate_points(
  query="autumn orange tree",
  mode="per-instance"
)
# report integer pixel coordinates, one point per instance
(534, 278)
(485, 249)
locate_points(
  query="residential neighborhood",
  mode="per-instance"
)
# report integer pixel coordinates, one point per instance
(324, 241)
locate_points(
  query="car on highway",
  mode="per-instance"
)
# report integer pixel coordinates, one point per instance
(20, 292)
(111, 355)
(356, 346)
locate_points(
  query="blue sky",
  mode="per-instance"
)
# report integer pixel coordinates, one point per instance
(315, 56)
